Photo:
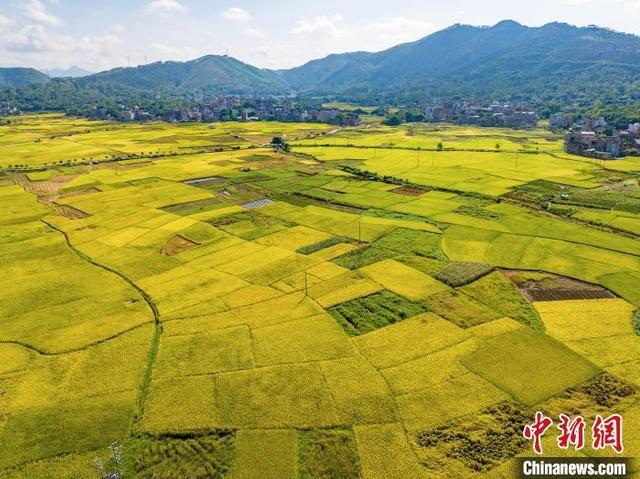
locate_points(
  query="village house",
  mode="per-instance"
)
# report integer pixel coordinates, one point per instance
(590, 144)
(559, 121)
(502, 115)
(8, 110)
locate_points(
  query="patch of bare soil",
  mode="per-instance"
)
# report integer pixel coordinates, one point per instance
(550, 287)
(408, 191)
(207, 183)
(176, 245)
(47, 191)
(68, 212)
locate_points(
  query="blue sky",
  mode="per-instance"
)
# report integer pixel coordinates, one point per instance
(97, 35)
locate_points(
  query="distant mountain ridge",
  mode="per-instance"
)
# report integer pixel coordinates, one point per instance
(555, 62)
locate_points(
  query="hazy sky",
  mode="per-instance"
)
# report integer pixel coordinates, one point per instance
(97, 35)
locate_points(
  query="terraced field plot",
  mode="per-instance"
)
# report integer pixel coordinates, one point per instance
(247, 312)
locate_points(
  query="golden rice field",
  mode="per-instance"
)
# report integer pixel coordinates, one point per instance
(218, 309)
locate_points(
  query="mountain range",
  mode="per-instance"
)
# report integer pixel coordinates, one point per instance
(554, 62)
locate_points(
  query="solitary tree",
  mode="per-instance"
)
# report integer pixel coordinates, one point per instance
(279, 144)
(440, 146)
(497, 146)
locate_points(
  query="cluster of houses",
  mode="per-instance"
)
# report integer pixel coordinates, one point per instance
(474, 113)
(592, 137)
(235, 108)
(6, 109)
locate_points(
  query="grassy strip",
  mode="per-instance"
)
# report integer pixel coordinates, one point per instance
(312, 248)
(367, 255)
(367, 314)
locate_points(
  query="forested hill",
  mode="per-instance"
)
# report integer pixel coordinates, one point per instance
(19, 77)
(556, 64)
(210, 74)
(507, 60)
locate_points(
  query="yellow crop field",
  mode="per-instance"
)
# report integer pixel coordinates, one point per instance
(408, 340)
(193, 399)
(314, 338)
(444, 401)
(403, 280)
(270, 454)
(280, 396)
(360, 393)
(385, 452)
(584, 319)
(226, 349)
(213, 306)
(537, 369)
(343, 288)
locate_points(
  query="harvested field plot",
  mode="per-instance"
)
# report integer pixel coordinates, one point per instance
(549, 287)
(176, 245)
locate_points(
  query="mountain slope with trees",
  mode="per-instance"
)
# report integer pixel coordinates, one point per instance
(20, 77)
(552, 66)
(508, 60)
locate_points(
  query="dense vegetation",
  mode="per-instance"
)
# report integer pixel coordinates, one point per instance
(20, 77)
(553, 66)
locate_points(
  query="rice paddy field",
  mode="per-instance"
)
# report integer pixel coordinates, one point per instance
(366, 305)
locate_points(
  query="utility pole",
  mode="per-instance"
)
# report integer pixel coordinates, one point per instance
(306, 288)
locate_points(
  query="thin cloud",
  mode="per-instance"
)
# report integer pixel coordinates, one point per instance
(323, 25)
(167, 6)
(36, 11)
(398, 30)
(236, 14)
(5, 22)
(253, 32)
